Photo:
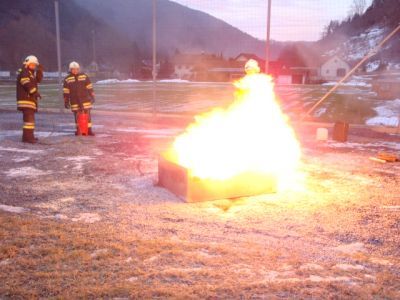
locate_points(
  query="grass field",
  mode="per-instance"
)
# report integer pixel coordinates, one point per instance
(354, 104)
(83, 218)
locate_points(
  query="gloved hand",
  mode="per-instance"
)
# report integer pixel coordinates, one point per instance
(67, 105)
(39, 73)
(37, 96)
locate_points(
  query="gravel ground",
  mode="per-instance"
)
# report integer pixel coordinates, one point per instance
(336, 235)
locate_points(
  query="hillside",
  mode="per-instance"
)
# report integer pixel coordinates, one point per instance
(354, 37)
(122, 31)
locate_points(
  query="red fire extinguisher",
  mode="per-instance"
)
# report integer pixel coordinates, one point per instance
(82, 121)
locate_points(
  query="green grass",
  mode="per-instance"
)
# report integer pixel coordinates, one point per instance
(352, 104)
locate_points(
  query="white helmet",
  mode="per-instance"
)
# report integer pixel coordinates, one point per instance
(74, 65)
(31, 59)
(252, 67)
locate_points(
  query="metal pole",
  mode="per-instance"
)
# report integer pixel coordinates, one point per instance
(94, 45)
(154, 72)
(267, 49)
(60, 92)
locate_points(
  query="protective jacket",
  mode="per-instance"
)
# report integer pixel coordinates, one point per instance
(27, 90)
(78, 91)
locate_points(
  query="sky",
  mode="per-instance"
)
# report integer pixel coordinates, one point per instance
(292, 20)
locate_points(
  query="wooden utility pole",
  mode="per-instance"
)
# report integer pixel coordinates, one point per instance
(60, 92)
(154, 71)
(268, 41)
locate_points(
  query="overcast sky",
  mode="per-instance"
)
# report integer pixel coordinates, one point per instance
(291, 19)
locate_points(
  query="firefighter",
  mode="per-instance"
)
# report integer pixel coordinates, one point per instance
(252, 67)
(28, 95)
(78, 94)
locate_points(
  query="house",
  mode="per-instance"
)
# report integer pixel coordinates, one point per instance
(315, 71)
(5, 74)
(202, 67)
(234, 68)
(281, 73)
(274, 67)
(210, 67)
(334, 69)
(184, 65)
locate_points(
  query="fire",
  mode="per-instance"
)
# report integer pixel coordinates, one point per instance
(251, 135)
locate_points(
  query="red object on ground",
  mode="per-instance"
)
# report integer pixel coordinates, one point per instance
(82, 121)
(341, 131)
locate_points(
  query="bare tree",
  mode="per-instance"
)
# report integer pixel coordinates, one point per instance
(357, 7)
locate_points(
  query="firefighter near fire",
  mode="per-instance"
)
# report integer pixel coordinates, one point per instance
(28, 95)
(79, 97)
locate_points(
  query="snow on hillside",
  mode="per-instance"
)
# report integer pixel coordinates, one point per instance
(356, 47)
(388, 114)
(372, 66)
(352, 83)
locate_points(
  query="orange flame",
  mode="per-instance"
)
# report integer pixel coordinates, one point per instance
(251, 135)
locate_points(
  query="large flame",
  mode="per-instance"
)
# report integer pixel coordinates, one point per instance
(251, 135)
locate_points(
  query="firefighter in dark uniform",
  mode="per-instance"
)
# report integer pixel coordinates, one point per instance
(78, 93)
(28, 95)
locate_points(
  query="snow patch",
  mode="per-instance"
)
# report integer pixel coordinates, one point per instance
(87, 218)
(81, 158)
(21, 159)
(320, 112)
(349, 83)
(351, 248)
(372, 66)
(79, 161)
(360, 146)
(40, 134)
(391, 207)
(388, 114)
(114, 80)
(25, 172)
(56, 204)
(98, 253)
(22, 150)
(316, 278)
(311, 266)
(13, 209)
(5, 262)
(173, 81)
(132, 279)
(348, 267)
(151, 132)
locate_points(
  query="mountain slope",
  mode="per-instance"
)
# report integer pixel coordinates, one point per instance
(355, 37)
(179, 27)
(123, 32)
(27, 27)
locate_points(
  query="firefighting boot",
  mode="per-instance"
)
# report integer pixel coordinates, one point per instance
(28, 137)
(90, 132)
